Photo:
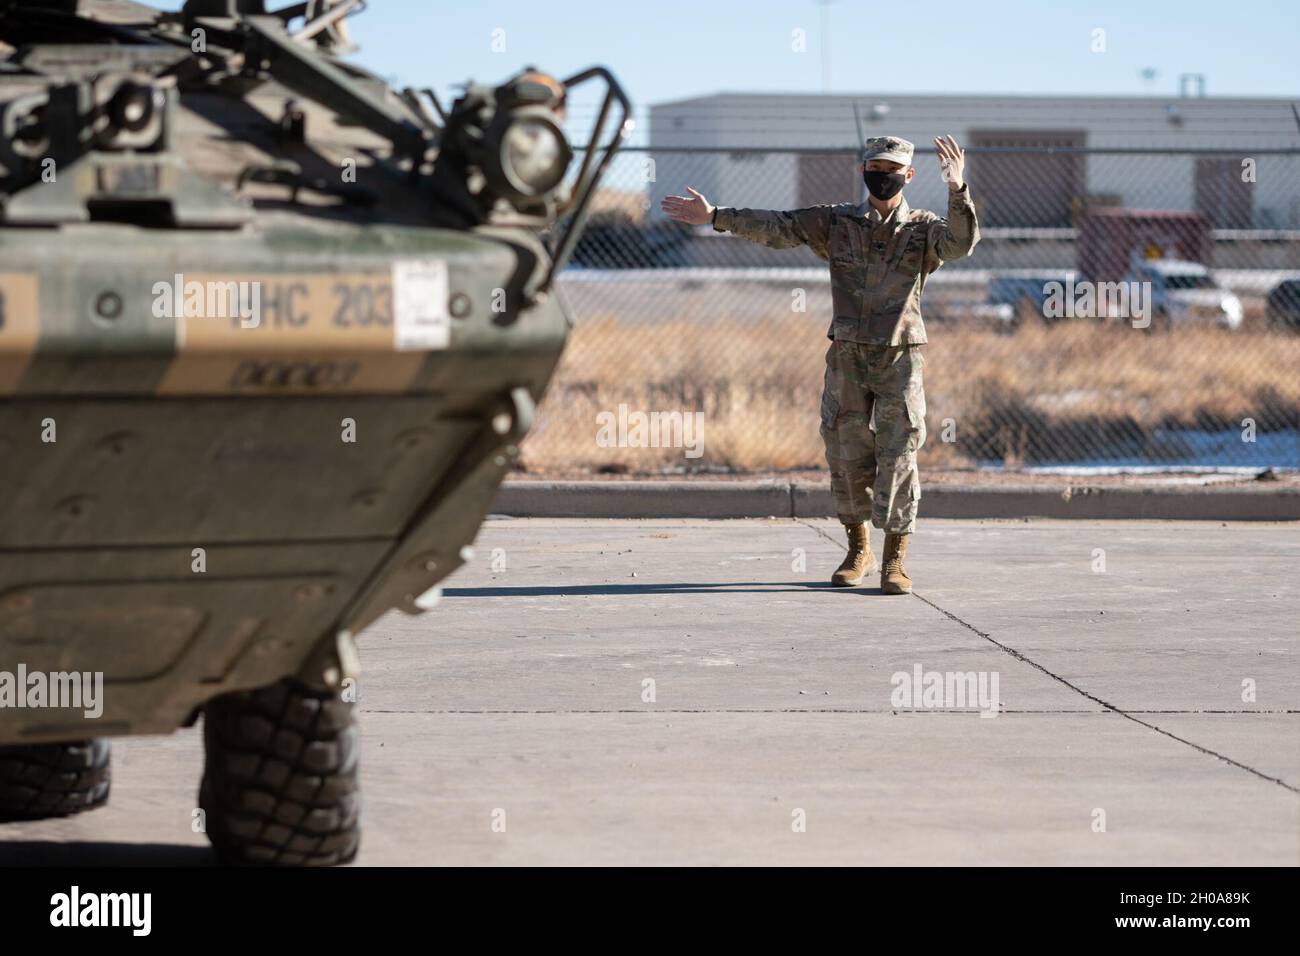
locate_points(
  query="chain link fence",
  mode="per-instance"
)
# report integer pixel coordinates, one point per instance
(1124, 308)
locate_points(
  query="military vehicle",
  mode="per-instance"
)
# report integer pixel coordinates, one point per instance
(271, 332)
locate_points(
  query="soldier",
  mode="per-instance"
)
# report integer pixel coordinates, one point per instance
(880, 253)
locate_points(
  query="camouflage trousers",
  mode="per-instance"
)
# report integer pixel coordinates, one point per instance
(873, 473)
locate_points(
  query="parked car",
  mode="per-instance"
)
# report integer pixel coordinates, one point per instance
(1024, 294)
(1183, 291)
(1283, 305)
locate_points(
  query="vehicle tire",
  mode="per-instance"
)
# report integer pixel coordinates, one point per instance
(280, 783)
(53, 780)
(1279, 321)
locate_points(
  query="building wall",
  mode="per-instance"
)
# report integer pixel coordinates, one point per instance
(810, 121)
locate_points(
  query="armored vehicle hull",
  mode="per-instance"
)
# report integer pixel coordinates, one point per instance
(270, 336)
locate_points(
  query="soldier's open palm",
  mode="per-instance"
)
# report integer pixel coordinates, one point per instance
(693, 209)
(952, 162)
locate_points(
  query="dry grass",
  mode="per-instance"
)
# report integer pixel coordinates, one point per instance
(1013, 397)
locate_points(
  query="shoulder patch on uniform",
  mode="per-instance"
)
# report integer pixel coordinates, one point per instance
(923, 216)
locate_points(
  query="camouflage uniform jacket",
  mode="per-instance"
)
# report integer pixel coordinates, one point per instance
(878, 268)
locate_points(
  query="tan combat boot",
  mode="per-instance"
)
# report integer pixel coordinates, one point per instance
(859, 562)
(893, 576)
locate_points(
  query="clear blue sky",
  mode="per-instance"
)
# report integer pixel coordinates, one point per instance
(674, 49)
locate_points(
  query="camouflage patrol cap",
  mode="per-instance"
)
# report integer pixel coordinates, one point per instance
(888, 147)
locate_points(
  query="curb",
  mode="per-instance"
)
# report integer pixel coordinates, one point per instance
(785, 499)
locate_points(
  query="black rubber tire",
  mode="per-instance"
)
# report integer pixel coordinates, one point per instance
(53, 780)
(280, 783)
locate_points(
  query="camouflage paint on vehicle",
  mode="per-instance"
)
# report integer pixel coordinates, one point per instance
(403, 277)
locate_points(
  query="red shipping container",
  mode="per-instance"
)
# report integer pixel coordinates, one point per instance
(1108, 238)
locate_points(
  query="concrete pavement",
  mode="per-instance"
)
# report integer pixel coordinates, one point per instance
(1148, 676)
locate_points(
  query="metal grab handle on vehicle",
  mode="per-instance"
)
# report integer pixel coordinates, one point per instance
(588, 174)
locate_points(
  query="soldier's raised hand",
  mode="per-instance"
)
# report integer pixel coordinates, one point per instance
(694, 209)
(952, 162)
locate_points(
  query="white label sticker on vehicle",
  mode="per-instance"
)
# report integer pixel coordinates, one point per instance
(420, 316)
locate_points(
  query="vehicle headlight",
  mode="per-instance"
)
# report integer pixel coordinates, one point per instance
(529, 154)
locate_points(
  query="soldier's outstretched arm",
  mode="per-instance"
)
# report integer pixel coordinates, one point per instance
(956, 236)
(778, 230)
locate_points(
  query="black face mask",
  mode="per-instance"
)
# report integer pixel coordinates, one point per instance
(884, 186)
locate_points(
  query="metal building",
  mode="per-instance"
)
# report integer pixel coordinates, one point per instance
(1034, 161)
